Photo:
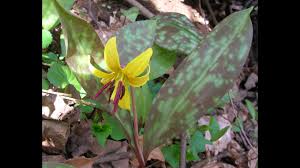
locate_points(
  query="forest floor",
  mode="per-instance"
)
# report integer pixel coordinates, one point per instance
(237, 149)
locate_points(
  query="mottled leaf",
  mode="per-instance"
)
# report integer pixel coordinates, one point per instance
(55, 165)
(117, 130)
(175, 32)
(46, 38)
(82, 42)
(131, 13)
(172, 154)
(162, 60)
(49, 14)
(200, 81)
(135, 38)
(143, 102)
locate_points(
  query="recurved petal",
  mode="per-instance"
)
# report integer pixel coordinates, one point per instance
(111, 55)
(139, 81)
(138, 65)
(99, 73)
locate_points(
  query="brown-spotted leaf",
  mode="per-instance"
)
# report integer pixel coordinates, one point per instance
(200, 80)
(82, 42)
(135, 38)
(175, 32)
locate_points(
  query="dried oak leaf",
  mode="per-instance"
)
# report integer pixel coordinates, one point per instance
(55, 135)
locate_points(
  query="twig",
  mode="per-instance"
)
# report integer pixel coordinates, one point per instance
(211, 12)
(183, 150)
(143, 10)
(138, 152)
(203, 15)
(243, 134)
(68, 97)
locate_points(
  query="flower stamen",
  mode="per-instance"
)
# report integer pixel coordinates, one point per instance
(103, 88)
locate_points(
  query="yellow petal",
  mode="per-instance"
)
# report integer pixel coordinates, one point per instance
(139, 81)
(99, 73)
(111, 55)
(138, 65)
(124, 103)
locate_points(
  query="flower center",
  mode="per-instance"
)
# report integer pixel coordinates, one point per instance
(110, 87)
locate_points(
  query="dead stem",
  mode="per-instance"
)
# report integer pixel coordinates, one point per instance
(138, 151)
(211, 12)
(143, 10)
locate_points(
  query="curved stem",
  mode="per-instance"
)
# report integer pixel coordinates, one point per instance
(138, 150)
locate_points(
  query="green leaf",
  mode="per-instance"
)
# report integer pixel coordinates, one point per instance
(82, 43)
(213, 126)
(237, 125)
(101, 132)
(135, 38)
(162, 60)
(45, 84)
(191, 157)
(60, 76)
(85, 108)
(49, 58)
(46, 38)
(251, 109)
(117, 130)
(131, 13)
(203, 77)
(197, 144)
(175, 32)
(143, 103)
(49, 14)
(219, 134)
(203, 128)
(172, 154)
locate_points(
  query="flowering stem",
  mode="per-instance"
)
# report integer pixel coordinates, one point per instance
(138, 150)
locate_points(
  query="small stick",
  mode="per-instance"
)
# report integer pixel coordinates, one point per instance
(211, 12)
(183, 150)
(138, 151)
(143, 10)
(243, 134)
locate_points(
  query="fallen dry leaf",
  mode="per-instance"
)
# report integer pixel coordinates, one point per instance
(217, 165)
(80, 162)
(179, 7)
(221, 144)
(252, 158)
(251, 81)
(55, 135)
(53, 158)
(237, 153)
(156, 154)
(54, 107)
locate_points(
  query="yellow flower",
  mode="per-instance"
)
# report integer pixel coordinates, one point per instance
(118, 78)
